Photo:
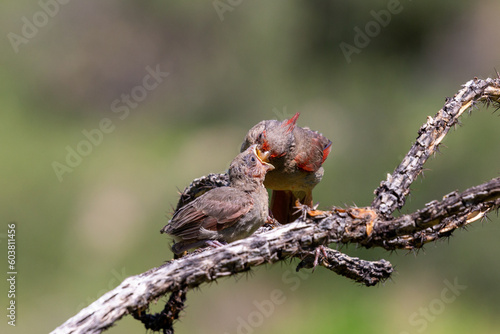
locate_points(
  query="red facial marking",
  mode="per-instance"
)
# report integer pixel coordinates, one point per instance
(327, 151)
(265, 143)
(276, 155)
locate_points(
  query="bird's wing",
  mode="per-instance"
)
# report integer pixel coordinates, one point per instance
(217, 209)
(313, 149)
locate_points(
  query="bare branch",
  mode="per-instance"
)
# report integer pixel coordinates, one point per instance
(369, 273)
(339, 225)
(392, 193)
(165, 319)
(370, 227)
(439, 219)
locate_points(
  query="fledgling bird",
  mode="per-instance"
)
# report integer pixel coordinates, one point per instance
(225, 214)
(297, 155)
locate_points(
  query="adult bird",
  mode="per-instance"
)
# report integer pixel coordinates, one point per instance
(297, 155)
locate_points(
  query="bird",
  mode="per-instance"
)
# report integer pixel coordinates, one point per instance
(298, 155)
(225, 214)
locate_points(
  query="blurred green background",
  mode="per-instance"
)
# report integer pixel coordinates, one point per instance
(232, 64)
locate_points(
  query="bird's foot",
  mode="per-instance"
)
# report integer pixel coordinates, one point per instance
(320, 249)
(306, 210)
(313, 258)
(272, 222)
(301, 209)
(214, 243)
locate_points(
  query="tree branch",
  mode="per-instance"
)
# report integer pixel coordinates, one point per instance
(392, 193)
(370, 227)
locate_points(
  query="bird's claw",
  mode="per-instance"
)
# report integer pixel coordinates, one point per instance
(272, 222)
(306, 210)
(320, 249)
(301, 209)
(319, 254)
(214, 243)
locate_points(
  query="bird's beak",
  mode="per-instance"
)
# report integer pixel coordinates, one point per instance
(264, 158)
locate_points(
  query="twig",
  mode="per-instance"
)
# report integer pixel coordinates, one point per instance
(165, 319)
(391, 194)
(369, 273)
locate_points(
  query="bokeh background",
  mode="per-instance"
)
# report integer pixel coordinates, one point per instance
(232, 64)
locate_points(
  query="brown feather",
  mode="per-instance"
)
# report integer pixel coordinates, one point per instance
(215, 210)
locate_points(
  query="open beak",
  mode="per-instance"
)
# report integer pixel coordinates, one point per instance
(264, 158)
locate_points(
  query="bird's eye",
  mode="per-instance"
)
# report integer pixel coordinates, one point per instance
(252, 159)
(262, 136)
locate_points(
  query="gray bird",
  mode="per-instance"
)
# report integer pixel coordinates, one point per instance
(225, 214)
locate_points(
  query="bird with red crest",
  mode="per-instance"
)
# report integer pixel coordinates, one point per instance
(297, 154)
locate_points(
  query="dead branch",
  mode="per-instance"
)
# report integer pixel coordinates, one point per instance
(370, 227)
(392, 193)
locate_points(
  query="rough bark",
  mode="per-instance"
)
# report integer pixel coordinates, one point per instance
(370, 227)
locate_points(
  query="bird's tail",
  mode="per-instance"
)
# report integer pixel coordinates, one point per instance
(283, 204)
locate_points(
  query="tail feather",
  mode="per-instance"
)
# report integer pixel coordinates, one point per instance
(283, 204)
